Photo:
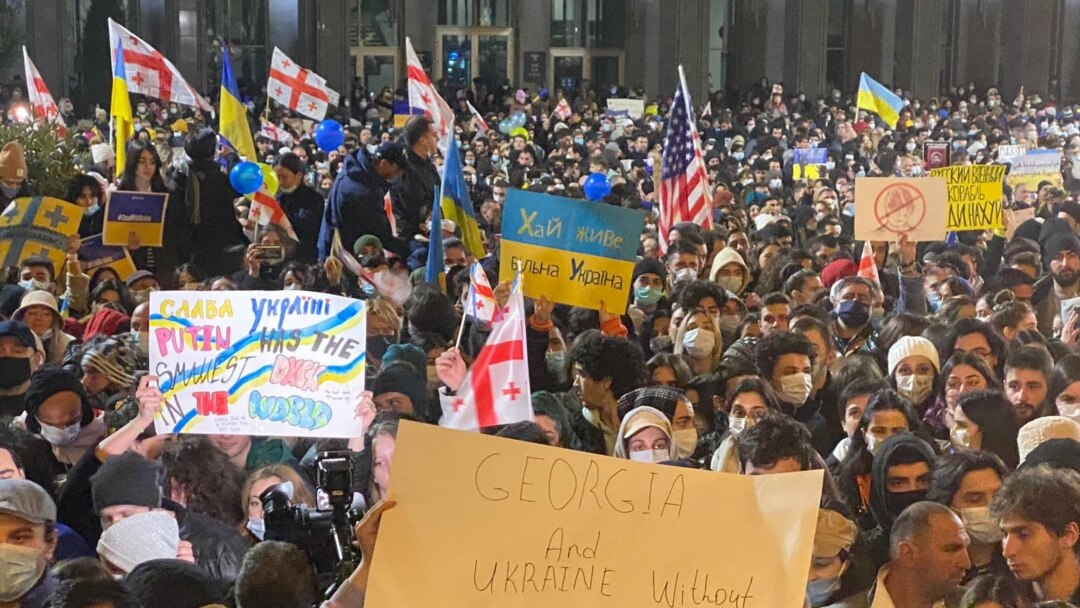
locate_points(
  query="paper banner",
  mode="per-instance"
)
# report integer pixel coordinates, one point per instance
(39, 226)
(285, 363)
(140, 212)
(974, 196)
(574, 252)
(509, 524)
(888, 207)
(1034, 167)
(94, 255)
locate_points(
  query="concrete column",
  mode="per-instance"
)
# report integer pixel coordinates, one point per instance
(1026, 31)
(693, 50)
(979, 41)
(1070, 47)
(872, 41)
(750, 43)
(332, 44)
(50, 43)
(532, 27)
(919, 38)
(804, 47)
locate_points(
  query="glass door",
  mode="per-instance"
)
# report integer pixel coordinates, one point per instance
(377, 69)
(568, 73)
(572, 69)
(465, 55)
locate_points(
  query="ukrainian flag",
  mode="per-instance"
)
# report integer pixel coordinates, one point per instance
(456, 205)
(436, 255)
(234, 124)
(121, 109)
(876, 98)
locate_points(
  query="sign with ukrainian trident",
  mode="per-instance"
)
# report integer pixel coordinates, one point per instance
(284, 363)
(38, 226)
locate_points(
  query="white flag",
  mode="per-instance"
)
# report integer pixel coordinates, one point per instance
(299, 89)
(422, 94)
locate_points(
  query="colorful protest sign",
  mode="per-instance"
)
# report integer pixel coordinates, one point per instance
(935, 154)
(142, 213)
(40, 226)
(634, 108)
(887, 208)
(807, 163)
(1007, 153)
(571, 251)
(531, 525)
(1036, 166)
(94, 255)
(403, 112)
(974, 196)
(286, 363)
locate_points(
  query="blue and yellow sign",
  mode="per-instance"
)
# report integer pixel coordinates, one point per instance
(39, 226)
(572, 251)
(93, 255)
(138, 213)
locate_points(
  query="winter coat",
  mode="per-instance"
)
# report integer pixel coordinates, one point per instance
(304, 208)
(355, 208)
(412, 193)
(217, 241)
(217, 547)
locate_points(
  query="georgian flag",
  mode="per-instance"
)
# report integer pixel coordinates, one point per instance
(298, 89)
(422, 94)
(149, 73)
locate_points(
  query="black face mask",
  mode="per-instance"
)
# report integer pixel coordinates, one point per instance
(377, 345)
(896, 502)
(13, 371)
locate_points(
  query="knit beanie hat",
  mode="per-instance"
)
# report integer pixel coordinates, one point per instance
(836, 270)
(402, 378)
(184, 584)
(126, 479)
(649, 267)
(114, 357)
(1056, 244)
(366, 241)
(406, 354)
(1038, 431)
(140, 538)
(47, 381)
(1061, 452)
(101, 153)
(909, 346)
(12, 161)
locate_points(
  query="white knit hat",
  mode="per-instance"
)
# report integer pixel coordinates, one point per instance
(909, 346)
(140, 538)
(1043, 429)
(101, 153)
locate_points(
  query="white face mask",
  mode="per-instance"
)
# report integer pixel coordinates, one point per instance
(30, 284)
(142, 339)
(653, 456)
(729, 323)
(732, 284)
(20, 569)
(699, 343)
(980, 525)
(685, 442)
(795, 388)
(873, 444)
(257, 527)
(685, 275)
(737, 425)
(915, 388)
(60, 437)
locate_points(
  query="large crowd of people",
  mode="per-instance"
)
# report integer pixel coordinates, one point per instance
(942, 399)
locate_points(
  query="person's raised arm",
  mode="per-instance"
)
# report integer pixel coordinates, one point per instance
(150, 402)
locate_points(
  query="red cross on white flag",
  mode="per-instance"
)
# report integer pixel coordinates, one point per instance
(45, 108)
(299, 89)
(149, 72)
(562, 110)
(496, 389)
(266, 210)
(422, 94)
(480, 304)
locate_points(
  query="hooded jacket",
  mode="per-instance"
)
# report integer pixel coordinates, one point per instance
(878, 538)
(656, 418)
(726, 256)
(412, 193)
(355, 207)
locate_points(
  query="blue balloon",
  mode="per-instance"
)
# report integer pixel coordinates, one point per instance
(597, 186)
(329, 135)
(518, 119)
(246, 177)
(506, 126)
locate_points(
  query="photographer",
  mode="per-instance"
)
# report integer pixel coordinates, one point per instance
(351, 593)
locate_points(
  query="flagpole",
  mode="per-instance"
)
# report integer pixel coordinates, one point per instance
(461, 329)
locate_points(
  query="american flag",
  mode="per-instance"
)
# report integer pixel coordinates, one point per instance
(684, 184)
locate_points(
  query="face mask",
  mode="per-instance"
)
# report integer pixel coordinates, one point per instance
(495, 159)
(819, 371)
(872, 443)
(20, 569)
(257, 527)
(775, 184)
(980, 525)
(830, 165)
(14, 371)
(853, 313)
(935, 301)
(685, 275)
(915, 388)
(819, 591)
(962, 438)
(685, 442)
(291, 287)
(556, 365)
(31, 284)
(910, 147)
(699, 343)
(377, 345)
(648, 296)
(896, 502)
(859, 173)
(795, 388)
(142, 340)
(60, 437)
(729, 323)
(660, 344)
(143, 295)
(9, 192)
(916, 170)
(738, 425)
(732, 284)
(739, 155)
(92, 209)
(654, 456)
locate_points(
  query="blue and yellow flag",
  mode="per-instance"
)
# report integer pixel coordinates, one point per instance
(436, 257)
(123, 125)
(877, 98)
(456, 205)
(234, 124)
(39, 226)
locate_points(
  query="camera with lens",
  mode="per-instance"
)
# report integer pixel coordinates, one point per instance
(326, 534)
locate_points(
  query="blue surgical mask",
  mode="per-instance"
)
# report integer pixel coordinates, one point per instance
(647, 296)
(92, 209)
(257, 527)
(935, 301)
(9, 192)
(819, 591)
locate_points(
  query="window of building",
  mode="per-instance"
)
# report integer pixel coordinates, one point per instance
(241, 24)
(470, 13)
(838, 24)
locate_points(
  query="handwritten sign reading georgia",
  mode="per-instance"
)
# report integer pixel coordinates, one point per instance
(285, 363)
(974, 196)
(574, 252)
(510, 524)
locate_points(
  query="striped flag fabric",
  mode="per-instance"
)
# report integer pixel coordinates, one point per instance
(684, 185)
(422, 94)
(45, 108)
(562, 110)
(480, 122)
(480, 304)
(867, 267)
(266, 210)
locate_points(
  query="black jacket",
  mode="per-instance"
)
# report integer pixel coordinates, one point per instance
(412, 193)
(304, 208)
(218, 548)
(217, 241)
(878, 538)
(355, 208)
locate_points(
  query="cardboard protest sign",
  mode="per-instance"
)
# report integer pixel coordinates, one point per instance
(40, 226)
(140, 212)
(974, 196)
(528, 525)
(94, 255)
(887, 208)
(1036, 166)
(258, 362)
(1008, 153)
(634, 108)
(572, 251)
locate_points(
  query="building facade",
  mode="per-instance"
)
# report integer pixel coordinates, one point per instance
(923, 46)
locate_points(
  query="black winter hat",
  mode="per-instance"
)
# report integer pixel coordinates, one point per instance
(1058, 243)
(400, 377)
(126, 479)
(47, 381)
(175, 583)
(649, 267)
